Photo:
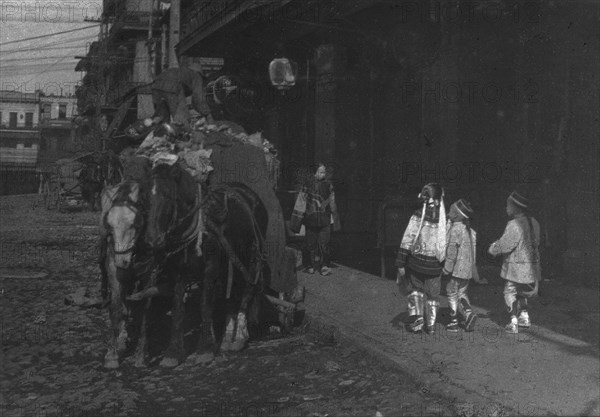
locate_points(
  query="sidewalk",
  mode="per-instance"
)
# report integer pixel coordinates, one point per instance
(553, 368)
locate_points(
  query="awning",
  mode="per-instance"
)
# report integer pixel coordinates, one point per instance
(205, 20)
(56, 125)
(8, 96)
(19, 134)
(13, 157)
(303, 16)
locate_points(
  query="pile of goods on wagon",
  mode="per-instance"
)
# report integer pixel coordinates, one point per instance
(217, 153)
(193, 147)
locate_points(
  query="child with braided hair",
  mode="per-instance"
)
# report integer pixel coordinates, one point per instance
(521, 266)
(460, 265)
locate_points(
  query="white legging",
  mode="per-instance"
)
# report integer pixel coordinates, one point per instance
(513, 297)
(458, 300)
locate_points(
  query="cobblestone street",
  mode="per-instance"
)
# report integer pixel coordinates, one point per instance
(53, 353)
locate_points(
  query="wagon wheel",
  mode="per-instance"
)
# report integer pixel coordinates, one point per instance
(60, 200)
(51, 194)
(60, 192)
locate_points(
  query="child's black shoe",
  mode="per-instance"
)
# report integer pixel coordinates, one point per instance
(417, 325)
(452, 326)
(470, 321)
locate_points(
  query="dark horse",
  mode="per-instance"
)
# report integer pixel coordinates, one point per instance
(231, 251)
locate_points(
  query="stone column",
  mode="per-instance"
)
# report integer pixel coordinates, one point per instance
(325, 104)
(142, 74)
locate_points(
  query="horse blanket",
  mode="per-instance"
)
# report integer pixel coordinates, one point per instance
(236, 161)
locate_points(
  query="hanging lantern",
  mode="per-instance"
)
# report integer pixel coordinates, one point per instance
(283, 72)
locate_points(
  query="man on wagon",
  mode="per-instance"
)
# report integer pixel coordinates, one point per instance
(171, 89)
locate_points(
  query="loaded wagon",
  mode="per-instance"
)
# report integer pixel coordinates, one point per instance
(236, 157)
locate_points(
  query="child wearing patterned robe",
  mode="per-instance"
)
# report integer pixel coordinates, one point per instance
(460, 265)
(420, 257)
(521, 266)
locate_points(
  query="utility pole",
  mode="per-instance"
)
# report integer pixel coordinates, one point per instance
(99, 95)
(174, 23)
(97, 66)
(151, 42)
(102, 82)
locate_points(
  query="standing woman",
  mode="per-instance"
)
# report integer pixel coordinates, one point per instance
(321, 214)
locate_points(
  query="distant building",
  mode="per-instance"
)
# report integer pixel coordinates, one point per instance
(122, 58)
(19, 128)
(34, 130)
(56, 121)
(19, 141)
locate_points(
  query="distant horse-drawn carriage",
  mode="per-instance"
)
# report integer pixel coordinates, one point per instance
(78, 181)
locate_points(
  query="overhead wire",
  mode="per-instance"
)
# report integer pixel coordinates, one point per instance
(38, 69)
(49, 48)
(17, 61)
(33, 69)
(23, 66)
(45, 46)
(44, 71)
(38, 58)
(120, 60)
(48, 35)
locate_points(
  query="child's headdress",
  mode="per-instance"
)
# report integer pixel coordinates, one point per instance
(434, 192)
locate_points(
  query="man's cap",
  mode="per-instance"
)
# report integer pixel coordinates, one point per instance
(464, 208)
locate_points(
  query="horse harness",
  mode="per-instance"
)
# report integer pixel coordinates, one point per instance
(227, 247)
(121, 201)
(192, 232)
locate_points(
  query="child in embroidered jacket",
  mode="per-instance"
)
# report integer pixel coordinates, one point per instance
(521, 266)
(460, 265)
(420, 257)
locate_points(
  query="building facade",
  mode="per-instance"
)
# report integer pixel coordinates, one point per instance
(19, 141)
(121, 65)
(35, 130)
(19, 113)
(56, 128)
(480, 97)
(391, 95)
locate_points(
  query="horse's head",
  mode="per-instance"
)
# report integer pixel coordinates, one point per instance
(123, 220)
(162, 204)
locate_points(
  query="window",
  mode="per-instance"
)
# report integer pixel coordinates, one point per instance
(47, 111)
(28, 119)
(62, 111)
(13, 119)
